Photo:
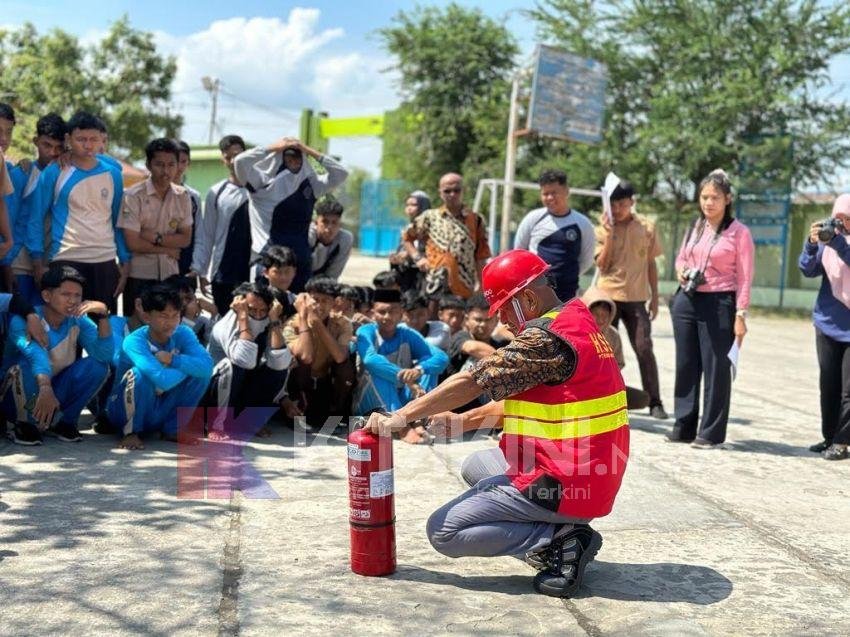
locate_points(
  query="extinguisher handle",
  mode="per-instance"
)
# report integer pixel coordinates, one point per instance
(360, 421)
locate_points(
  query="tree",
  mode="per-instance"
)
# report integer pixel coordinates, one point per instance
(692, 82)
(454, 65)
(122, 79)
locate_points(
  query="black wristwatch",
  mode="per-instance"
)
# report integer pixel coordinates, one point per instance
(158, 240)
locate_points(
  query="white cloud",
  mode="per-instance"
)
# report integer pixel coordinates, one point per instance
(270, 68)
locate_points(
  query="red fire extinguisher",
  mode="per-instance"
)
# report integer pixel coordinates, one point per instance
(371, 503)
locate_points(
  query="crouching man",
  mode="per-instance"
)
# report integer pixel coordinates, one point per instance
(162, 368)
(566, 438)
(46, 388)
(251, 358)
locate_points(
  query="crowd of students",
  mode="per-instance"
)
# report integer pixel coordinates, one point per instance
(236, 303)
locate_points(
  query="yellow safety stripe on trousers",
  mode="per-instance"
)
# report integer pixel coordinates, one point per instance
(565, 430)
(566, 411)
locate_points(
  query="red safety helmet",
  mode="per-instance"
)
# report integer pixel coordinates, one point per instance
(508, 274)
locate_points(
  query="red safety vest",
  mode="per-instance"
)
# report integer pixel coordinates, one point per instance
(573, 435)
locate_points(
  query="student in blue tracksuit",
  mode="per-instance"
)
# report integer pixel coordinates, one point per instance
(398, 363)
(11, 198)
(47, 387)
(49, 142)
(162, 368)
(83, 203)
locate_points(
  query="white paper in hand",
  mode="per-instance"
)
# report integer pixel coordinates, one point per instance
(611, 182)
(734, 351)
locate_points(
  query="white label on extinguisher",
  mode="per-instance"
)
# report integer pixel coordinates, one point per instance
(361, 455)
(380, 483)
(361, 514)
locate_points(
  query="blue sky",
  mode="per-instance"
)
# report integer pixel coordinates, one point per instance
(275, 58)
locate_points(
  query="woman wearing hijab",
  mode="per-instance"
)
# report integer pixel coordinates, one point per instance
(403, 260)
(282, 190)
(709, 311)
(827, 254)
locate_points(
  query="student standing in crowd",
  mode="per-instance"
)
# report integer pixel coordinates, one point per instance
(329, 241)
(12, 235)
(283, 189)
(184, 160)
(562, 237)
(82, 203)
(222, 254)
(455, 243)
(163, 368)
(49, 386)
(6, 189)
(625, 254)
(49, 142)
(829, 258)
(709, 311)
(156, 221)
(411, 266)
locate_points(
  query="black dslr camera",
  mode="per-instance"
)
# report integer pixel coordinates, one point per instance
(693, 279)
(829, 228)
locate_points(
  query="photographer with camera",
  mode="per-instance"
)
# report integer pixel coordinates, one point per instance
(709, 311)
(826, 253)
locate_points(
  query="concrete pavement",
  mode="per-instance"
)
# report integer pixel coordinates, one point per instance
(751, 539)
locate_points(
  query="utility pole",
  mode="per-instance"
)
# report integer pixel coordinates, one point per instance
(510, 167)
(211, 85)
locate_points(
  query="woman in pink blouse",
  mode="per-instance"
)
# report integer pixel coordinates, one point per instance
(709, 310)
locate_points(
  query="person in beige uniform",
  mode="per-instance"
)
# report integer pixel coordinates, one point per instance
(625, 255)
(156, 220)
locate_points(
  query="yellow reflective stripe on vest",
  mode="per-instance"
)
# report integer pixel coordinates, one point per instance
(523, 426)
(566, 411)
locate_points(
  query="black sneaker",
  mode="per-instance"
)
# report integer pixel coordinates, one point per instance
(820, 447)
(66, 432)
(103, 426)
(25, 433)
(565, 561)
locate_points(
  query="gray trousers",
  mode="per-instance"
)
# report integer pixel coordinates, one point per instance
(492, 518)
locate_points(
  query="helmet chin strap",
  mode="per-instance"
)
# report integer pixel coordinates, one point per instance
(520, 315)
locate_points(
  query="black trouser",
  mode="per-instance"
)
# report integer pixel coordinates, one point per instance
(324, 397)
(101, 281)
(703, 330)
(834, 363)
(639, 328)
(239, 388)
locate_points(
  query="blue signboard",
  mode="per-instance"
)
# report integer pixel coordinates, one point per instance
(567, 96)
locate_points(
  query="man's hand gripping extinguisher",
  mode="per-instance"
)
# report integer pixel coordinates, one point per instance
(371, 502)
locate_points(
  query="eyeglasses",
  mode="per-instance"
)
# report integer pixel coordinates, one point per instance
(451, 191)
